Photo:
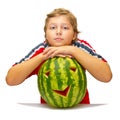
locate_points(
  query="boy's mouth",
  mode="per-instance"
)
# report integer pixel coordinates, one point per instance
(58, 39)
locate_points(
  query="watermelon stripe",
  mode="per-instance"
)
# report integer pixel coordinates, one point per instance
(43, 84)
(60, 81)
(58, 73)
(54, 83)
(70, 81)
(73, 88)
(81, 83)
(67, 101)
(52, 99)
(78, 89)
(63, 80)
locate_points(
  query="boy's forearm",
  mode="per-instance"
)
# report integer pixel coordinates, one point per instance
(96, 67)
(18, 73)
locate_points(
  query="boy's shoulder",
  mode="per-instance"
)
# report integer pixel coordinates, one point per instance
(39, 48)
(82, 42)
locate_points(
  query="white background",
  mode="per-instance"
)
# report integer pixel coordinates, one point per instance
(21, 29)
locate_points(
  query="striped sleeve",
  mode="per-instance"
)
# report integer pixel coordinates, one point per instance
(36, 50)
(84, 45)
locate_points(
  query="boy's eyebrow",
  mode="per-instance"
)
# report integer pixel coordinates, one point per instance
(61, 23)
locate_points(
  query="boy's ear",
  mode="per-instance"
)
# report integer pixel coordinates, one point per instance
(75, 36)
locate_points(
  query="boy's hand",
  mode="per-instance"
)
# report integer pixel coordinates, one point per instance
(61, 55)
(63, 51)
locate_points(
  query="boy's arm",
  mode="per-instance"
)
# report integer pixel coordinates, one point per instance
(95, 66)
(27, 66)
(19, 72)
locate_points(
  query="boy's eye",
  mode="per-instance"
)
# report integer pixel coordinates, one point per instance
(65, 28)
(52, 27)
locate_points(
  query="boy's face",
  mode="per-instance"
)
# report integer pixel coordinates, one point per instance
(59, 31)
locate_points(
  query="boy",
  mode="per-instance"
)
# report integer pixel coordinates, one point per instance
(60, 40)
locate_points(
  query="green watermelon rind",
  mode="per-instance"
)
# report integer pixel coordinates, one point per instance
(76, 94)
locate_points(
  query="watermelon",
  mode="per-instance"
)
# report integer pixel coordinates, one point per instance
(62, 82)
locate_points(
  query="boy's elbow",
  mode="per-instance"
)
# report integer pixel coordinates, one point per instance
(9, 81)
(108, 78)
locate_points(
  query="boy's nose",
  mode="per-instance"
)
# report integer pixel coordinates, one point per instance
(58, 31)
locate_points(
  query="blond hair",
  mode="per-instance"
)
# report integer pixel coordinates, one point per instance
(59, 12)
